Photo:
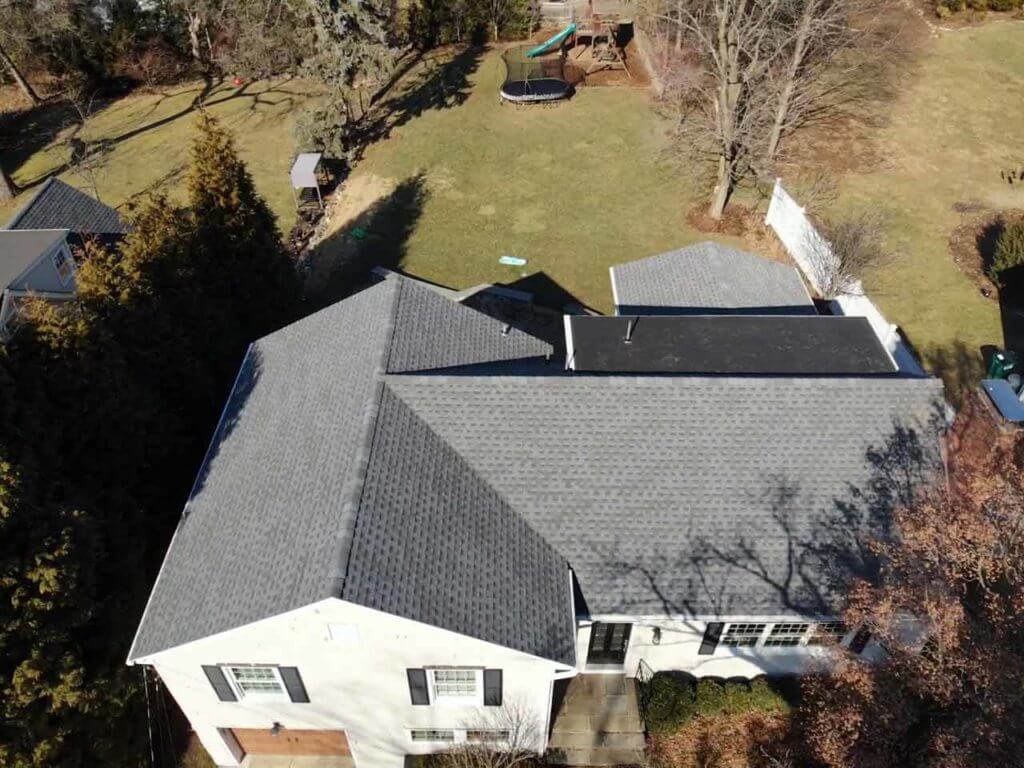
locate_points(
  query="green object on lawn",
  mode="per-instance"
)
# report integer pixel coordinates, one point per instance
(551, 42)
(512, 261)
(359, 233)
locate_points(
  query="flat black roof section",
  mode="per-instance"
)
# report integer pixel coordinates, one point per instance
(727, 344)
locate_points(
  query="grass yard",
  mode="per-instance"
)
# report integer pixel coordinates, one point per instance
(947, 138)
(149, 135)
(573, 188)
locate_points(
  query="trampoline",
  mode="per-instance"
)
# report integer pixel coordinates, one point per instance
(533, 81)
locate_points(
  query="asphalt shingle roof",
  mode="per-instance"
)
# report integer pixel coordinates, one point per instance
(60, 206)
(269, 524)
(705, 277)
(363, 456)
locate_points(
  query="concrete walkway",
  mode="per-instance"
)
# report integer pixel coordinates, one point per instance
(597, 723)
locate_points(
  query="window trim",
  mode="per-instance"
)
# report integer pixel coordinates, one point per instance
(242, 694)
(723, 641)
(476, 700)
(414, 731)
(66, 258)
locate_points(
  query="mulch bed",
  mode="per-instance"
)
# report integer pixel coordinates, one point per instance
(972, 244)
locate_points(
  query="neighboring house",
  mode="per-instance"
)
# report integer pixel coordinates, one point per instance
(57, 205)
(33, 263)
(35, 245)
(412, 517)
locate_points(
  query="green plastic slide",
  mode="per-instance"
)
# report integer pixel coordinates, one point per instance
(550, 43)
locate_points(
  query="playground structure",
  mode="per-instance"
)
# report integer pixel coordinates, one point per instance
(598, 30)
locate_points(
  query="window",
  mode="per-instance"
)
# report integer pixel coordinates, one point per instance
(786, 635)
(64, 265)
(743, 635)
(490, 736)
(424, 734)
(257, 682)
(456, 684)
(827, 633)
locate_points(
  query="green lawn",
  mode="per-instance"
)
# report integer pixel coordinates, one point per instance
(960, 121)
(150, 133)
(573, 188)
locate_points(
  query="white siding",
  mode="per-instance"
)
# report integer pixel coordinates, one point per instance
(681, 639)
(43, 275)
(358, 683)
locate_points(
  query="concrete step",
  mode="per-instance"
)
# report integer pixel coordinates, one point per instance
(628, 723)
(569, 740)
(595, 756)
(599, 705)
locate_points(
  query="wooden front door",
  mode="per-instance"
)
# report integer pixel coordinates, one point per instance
(608, 643)
(260, 741)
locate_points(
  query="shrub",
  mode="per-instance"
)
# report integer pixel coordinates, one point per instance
(673, 699)
(1009, 247)
(1004, 5)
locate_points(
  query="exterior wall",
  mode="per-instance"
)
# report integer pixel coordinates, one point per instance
(43, 277)
(358, 684)
(680, 642)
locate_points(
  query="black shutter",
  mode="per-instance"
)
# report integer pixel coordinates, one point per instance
(492, 687)
(712, 634)
(860, 640)
(293, 684)
(418, 686)
(220, 683)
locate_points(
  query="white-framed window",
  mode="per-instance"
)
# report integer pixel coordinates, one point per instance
(786, 634)
(742, 635)
(456, 686)
(430, 734)
(257, 682)
(64, 265)
(827, 633)
(486, 736)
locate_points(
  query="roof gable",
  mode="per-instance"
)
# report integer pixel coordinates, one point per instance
(20, 250)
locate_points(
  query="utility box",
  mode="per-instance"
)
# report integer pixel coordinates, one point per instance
(1002, 364)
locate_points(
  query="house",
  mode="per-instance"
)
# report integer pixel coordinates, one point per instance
(414, 519)
(36, 245)
(33, 262)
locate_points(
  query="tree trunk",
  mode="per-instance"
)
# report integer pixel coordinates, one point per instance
(789, 86)
(7, 188)
(723, 185)
(195, 21)
(23, 84)
(495, 27)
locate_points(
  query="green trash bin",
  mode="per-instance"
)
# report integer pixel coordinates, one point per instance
(1002, 364)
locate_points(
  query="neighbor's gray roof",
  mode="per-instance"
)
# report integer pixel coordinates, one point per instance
(270, 522)
(708, 276)
(60, 206)
(303, 173)
(20, 249)
(365, 458)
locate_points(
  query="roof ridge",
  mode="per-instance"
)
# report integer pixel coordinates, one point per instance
(364, 454)
(467, 461)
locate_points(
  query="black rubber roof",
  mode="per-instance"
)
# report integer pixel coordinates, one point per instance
(727, 344)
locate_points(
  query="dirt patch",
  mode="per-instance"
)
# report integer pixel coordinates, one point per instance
(736, 220)
(747, 740)
(973, 243)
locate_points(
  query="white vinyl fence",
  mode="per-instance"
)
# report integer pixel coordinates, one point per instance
(812, 254)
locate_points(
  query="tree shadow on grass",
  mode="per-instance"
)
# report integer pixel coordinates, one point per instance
(342, 264)
(441, 86)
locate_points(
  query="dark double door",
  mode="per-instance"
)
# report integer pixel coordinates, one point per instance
(608, 644)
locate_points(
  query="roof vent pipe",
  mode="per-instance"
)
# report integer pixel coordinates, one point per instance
(630, 326)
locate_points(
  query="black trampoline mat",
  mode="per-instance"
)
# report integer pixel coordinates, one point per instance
(541, 89)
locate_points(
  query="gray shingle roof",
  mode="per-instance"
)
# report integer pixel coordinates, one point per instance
(350, 464)
(269, 523)
(19, 251)
(60, 206)
(708, 276)
(686, 494)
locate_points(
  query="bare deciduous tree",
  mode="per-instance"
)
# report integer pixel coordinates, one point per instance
(723, 113)
(845, 250)
(23, 84)
(509, 737)
(85, 157)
